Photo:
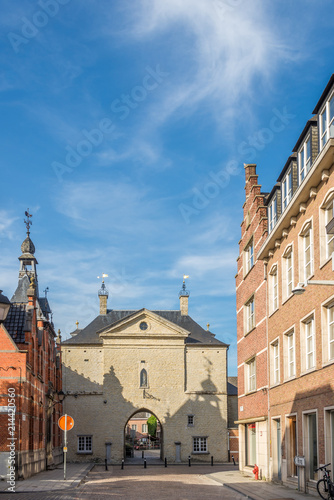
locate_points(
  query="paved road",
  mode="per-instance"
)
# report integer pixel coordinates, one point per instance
(136, 483)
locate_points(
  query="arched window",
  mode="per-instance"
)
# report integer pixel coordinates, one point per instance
(143, 378)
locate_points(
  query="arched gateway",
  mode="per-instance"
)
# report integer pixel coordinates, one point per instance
(143, 437)
(157, 362)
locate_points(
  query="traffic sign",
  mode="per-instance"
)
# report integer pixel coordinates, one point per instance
(69, 422)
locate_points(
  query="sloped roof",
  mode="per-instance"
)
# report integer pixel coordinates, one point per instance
(198, 335)
(15, 322)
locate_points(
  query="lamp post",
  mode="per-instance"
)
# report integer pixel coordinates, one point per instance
(4, 307)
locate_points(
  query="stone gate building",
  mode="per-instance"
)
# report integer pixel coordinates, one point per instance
(161, 362)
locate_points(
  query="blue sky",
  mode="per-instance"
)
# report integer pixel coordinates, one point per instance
(125, 127)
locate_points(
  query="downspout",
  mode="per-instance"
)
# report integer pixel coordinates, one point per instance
(268, 374)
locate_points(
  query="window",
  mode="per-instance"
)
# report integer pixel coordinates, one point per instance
(287, 189)
(144, 428)
(308, 261)
(273, 289)
(327, 122)
(311, 443)
(251, 375)
(305, 251)
(309, 344)
(304, 159)
(134, 427)
(251, 444)
(275, 363)
(287, 274)
(249, 315)
(272, 214)
(249, 257)
(329, 213)
(190, 420)
(330, 320)
(200, 445)
(290, 337)
(85, 444)
(143, 378)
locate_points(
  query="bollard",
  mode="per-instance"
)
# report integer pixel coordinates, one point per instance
(106, 463)
(233, 459)
(122, 466)
(189, 461)
(144, 463)
(142, 454)
(211, 461)
(165, 462)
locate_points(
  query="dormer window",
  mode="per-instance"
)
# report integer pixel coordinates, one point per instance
(304, 159)
(327, 121)
(272, 214)
(287, 189)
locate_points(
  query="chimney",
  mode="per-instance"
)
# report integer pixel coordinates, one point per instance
(103, 296)
(184, 296)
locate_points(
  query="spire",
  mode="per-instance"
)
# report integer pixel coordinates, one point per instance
(28, 264)
(184, 296)
(103, 295)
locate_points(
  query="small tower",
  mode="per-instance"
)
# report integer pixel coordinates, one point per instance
(103, 296)
(184, 296)
(28, 262)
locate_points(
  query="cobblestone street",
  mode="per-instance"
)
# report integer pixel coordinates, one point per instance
(134, 482)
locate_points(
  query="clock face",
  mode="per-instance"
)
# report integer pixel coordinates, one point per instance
(143, 325)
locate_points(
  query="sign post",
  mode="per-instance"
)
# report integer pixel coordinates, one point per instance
(300, 462)
(66, 423)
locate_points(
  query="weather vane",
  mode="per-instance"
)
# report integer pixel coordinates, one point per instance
(27, 221)
(103, 276)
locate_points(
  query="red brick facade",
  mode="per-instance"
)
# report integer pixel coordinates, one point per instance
(293, 338)
(30, 378)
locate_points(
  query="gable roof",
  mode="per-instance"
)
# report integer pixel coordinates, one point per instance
(15, 322)
(88, 335)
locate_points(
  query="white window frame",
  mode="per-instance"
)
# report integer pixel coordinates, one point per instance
(287, 272)
(249, 311)
(85, 444)
(305, 252)
(272, 214)
(249, 256)
(309, 338)
(304, 159)
(275, 363)
(134, 427)
(273, 290)
(200, 444)
(251, 375)
(144, 428)
(291, 354)
(287, 189)
(329, 237)
(330, 323)
(326, 125)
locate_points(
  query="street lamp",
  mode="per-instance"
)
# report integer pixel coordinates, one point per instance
(300, 288)
(4, 307)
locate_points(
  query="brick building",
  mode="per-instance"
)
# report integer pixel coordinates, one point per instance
(285, 339)
(30, 377)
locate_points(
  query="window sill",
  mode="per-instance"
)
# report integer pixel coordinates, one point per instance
(275, 385)
(287, 298)
(249, 331)
(306, 372)
(245, 275)
(323, 263)
(328, 362)
(200, 453)
(84, 453)
(273, 312)
(289, 379)
(250, 392)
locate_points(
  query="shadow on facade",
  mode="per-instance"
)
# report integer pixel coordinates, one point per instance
(90, 402)
(305, 429)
